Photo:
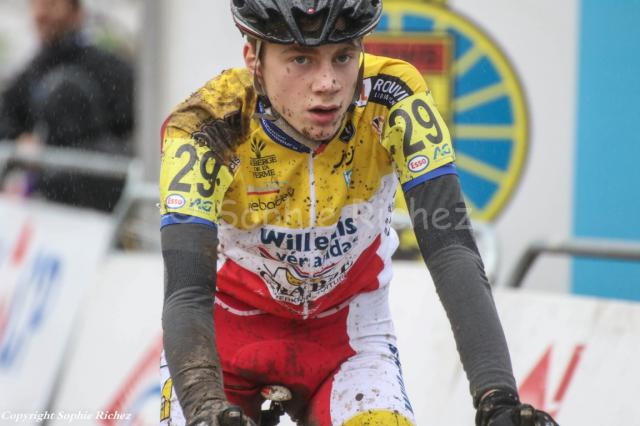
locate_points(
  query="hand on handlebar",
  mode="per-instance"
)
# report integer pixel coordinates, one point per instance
(500, 408)
(226, 415)
(233, 416)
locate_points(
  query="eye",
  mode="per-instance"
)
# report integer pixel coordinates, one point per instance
(301, 60)
(343, 59)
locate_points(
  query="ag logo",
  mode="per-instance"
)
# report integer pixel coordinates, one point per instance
(199, 204)
(442, 151)
(174, 201)
(418, 163)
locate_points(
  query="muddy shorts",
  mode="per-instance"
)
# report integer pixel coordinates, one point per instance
(342, 367)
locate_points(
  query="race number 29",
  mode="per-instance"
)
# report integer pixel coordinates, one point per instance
(421, 113)
(209, 176)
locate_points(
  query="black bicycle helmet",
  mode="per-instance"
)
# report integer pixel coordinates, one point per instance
(306, 22)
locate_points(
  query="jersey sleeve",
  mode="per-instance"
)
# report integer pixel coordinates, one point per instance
(199, 142)
(416, 136)
(192, 182)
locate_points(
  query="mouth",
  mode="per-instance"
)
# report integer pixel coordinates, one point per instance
(324, 114)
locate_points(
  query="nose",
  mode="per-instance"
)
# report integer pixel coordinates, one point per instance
(326, 79)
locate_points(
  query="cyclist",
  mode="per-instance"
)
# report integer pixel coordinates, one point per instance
(287, 170)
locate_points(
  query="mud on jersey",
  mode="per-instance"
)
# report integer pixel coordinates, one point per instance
(302, 232)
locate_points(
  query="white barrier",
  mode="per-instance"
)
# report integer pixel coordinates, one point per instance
(569, 353)
(575, 357)
(48, 257)
(113, 374)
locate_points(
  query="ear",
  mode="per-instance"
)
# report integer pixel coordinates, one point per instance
(249, 54)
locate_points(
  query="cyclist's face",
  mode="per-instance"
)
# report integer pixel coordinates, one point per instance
(311, 87)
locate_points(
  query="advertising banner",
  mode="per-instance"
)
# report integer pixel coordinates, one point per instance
(574, 357)
(48, 258)
(568, 352)
(113, 374)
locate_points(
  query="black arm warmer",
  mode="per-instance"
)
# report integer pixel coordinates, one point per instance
(447, 245)
(189, 252)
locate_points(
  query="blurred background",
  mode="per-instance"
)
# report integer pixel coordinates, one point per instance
(540, 96)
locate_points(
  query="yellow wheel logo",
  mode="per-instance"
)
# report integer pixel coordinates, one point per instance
(477, 93)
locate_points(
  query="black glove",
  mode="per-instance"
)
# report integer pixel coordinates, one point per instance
(501, 408)
(233, 416)
(230, 416)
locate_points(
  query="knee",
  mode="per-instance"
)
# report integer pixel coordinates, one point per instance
(379, 418)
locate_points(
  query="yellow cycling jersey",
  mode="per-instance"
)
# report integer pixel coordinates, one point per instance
(302, 231)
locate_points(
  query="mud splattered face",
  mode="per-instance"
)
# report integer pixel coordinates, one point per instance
(311, 88)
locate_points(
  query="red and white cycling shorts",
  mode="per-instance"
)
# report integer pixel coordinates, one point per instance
(342, 366)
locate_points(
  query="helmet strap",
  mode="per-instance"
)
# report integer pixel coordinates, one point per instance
(257, 81)
(360, 81)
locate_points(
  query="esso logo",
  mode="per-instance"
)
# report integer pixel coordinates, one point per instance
(174, 201)
(418, 164)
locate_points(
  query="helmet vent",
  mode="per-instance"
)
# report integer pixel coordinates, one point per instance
(312, 25)
(307, 22)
